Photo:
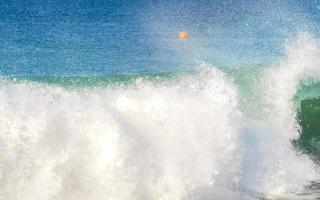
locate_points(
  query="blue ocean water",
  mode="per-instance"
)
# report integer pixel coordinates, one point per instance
(100, 99)
(134, 36)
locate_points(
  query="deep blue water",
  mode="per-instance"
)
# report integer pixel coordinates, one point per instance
(45, 37)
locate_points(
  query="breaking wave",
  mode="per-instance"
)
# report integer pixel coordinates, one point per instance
(187, 137)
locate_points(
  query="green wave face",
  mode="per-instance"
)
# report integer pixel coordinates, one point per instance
(307, 101)
(309, 119)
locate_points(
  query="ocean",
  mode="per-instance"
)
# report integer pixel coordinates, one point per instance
(101, 99)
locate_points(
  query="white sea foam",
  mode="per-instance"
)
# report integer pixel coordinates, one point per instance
(147, 141)
(272, 166)
(282, 80)
(184, 138)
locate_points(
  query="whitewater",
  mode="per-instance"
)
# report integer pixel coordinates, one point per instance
(194, 136)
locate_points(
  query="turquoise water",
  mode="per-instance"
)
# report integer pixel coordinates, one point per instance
(102, 100)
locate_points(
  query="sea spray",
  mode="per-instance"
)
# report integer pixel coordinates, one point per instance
(185, 137)
(274, 165)
(282, 81)
(146, 141)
